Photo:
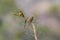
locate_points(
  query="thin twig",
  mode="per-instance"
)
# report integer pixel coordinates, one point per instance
(30, 21)
(34, 30)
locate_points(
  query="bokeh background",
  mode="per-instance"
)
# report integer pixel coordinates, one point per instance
(46, 19)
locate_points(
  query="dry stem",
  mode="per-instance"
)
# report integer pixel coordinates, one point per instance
(34, 30)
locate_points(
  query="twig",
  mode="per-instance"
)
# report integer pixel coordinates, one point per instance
(29, 21)
(34, 30)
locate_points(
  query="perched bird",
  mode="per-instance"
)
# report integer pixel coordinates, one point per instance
(21, 14)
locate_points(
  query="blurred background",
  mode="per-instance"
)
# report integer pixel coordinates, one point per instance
(46, 19)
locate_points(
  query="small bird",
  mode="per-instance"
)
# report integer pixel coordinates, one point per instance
(21, 14)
